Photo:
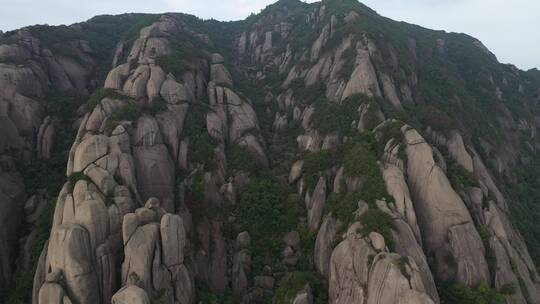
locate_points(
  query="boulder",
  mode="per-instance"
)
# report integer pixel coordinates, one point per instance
(377, 241)
(135, 85)
(315, 205)
(220, 75)
(153, 87)
(174, 92)
(457, 150)
(397, 187)
(52, 293)
(406, 245)
(155, 174)
(363, 78)
(147, 132)
(349, 271)
(71, 252)
(296, 171)
(391, 276)
(323, 244)
(469, 252)
(130, 295)
(139, 254)
(117, 76)
(173, 239)
(438, 208)
(90, 150)
(241, 269)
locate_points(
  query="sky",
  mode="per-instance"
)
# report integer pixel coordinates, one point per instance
(508, 30)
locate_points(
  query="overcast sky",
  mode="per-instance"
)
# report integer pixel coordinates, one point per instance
(508, 28)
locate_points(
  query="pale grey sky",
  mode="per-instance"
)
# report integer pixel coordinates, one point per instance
(508, 28)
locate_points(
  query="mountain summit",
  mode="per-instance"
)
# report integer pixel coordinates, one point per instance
(313, 153)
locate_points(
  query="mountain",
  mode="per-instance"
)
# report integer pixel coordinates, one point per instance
(312, 153)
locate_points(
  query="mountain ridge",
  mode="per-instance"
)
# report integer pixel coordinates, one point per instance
(307, 153)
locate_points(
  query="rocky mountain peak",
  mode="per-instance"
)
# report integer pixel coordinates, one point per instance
(313, 153)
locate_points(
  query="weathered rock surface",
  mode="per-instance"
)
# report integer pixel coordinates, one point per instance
(153, 207)
(439, 210)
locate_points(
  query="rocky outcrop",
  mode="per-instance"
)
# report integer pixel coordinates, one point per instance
(158, 169)
(326, 237)
(360, 272)
(363, 79)
(315, 204)
(130, 295)
(154, 244)
(441, 212)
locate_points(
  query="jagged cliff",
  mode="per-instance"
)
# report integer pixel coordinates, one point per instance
(313, 153)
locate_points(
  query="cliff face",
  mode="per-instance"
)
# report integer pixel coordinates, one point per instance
(314, 153)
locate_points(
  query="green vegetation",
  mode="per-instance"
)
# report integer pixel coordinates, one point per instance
(295, 282)
(491, 260)
(62, 104)
(389, 131)
(201, 145)
(74, 178)
(524, 210)
(376, 220)
(101, 93)
(128, 112)
(204, 295)
(459, 177)
(315, 164)
(436, 119)
(308, 95)
(360, 160)
(63, 39)
(343, 205)
(524, 289)
(131, 111)
(239, 158)
(459, 293)
(508, 289)
(265, 212)
(22, 293)
(349, 57)
(195, 196)
(332, 117)
(47, 175)
(186, 50)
